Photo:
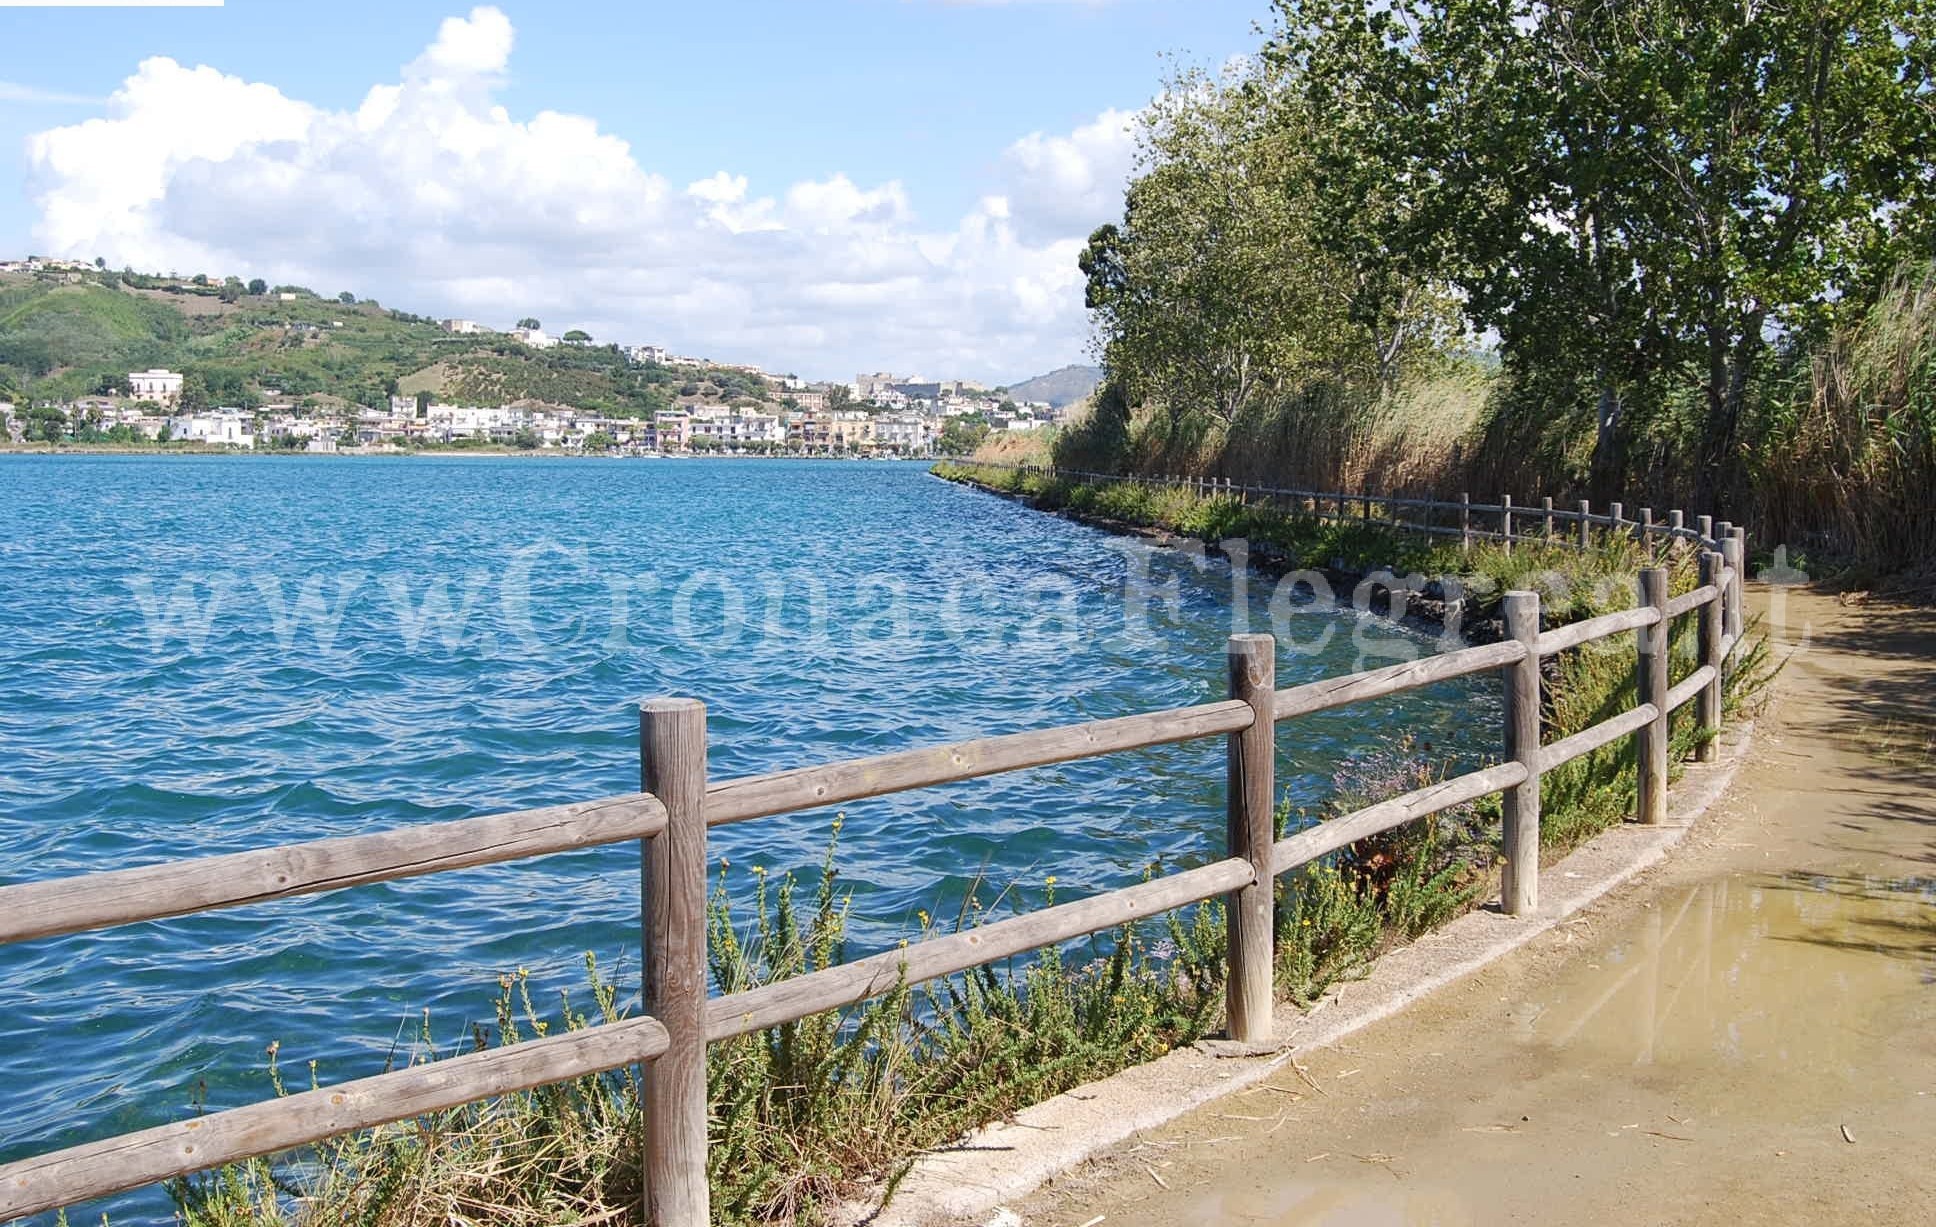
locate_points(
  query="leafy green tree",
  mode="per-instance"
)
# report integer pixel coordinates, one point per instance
(194, 394)
(1637, 197)
(529, 322)
(961, 435)
(578, 336)
(1216, 292)
(258, 287)
(346, 298)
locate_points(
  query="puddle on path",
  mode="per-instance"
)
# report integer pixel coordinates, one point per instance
(1768, 970)
(1720, 1023)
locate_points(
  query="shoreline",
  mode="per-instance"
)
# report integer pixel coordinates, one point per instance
(1423, 613)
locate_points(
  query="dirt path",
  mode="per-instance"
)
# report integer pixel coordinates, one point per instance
(1745, 1035)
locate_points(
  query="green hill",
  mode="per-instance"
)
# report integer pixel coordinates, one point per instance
(63, 336)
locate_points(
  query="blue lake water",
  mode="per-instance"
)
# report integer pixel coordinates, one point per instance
(203, 655)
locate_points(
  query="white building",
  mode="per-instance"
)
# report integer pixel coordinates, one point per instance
(223, 428)
(909, 433)
(738, 428)
(641, 355)
(461, 327)
(162, 387)
(472, 422)
(536, 338)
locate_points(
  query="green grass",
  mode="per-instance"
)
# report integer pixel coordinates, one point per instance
(808, 1114)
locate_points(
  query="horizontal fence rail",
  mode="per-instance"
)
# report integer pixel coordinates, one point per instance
(136, 1159)
(676, 805)
(178, 888)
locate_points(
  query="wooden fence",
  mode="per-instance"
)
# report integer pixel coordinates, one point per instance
(677, 804)
(1504, 521)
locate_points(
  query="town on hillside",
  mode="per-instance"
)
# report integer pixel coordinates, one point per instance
(701, 406)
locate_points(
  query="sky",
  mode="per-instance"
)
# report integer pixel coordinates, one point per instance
(820, 186)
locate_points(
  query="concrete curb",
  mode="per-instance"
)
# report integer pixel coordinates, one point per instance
(1010, 1159)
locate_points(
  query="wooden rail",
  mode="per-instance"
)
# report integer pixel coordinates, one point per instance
(676, 805)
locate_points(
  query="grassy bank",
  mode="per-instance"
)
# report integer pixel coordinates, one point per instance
(807, 1115)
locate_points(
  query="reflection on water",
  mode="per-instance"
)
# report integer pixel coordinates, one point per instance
(1747, 969)
(1772, 987)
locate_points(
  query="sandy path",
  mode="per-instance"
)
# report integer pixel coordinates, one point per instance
(1699, 1047)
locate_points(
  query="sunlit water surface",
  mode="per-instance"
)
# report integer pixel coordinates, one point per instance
(821, 610)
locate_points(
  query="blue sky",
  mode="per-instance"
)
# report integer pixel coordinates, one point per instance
(916, 159)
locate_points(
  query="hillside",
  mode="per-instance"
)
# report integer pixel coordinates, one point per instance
(78, 335)
(1063, 386)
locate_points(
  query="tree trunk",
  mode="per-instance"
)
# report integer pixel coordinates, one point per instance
(1605, 479)
(1730, 365)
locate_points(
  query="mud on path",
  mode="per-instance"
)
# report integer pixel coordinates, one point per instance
(1744, 1035)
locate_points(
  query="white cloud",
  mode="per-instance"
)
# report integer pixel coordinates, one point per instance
(1066, 183)
(430, 195)
(14, 91)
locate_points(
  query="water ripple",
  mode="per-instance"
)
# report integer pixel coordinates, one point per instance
(171, 684)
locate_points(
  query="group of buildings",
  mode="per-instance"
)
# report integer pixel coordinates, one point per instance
(879, 415)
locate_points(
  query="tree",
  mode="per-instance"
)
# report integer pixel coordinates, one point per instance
(1216, 289)
(258, 287)
(99, 262)
(346, 298)
(578, 336)
(599, 441)
(194, 393)
(199, 279)
(960, 436)
(530, 322)
(839, 396)
(1635, 196)
(46, 424)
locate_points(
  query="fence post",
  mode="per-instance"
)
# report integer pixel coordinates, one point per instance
(1465, 522)
(1586, 527)
(672, 767)
(1704, 525)
(1519, 889)
(1251, 764)
(1546, 516)
(1614, 514)
(1651, 740)
(1505, 520)
(1707, 705)
(1734, 548)
(1367, 497)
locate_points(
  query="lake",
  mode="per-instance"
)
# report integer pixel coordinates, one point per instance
(207, 654)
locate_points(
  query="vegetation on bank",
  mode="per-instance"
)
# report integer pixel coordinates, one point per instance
(1630, 251)
(1583, 686)
(806, 1115)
